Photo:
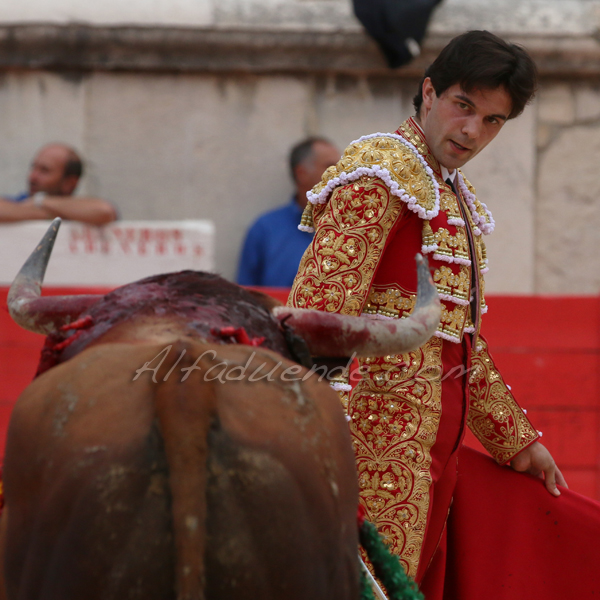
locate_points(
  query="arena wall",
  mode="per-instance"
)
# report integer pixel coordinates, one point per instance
(187, 110)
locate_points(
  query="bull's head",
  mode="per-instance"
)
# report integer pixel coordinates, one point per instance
(326, 334)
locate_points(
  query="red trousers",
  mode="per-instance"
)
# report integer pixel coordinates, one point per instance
(506, 536)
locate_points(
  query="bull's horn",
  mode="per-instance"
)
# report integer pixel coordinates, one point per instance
(25, 304)
(333, 334)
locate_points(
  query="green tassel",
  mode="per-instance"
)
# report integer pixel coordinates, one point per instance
(366, 592)
(387, 566)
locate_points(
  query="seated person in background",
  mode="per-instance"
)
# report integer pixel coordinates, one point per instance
(274, 245)
(53, 177)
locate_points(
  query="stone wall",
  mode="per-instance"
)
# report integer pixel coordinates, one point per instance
(196, 121)
(567, 211)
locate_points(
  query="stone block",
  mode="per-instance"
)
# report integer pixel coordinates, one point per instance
(545, 134)
(347, 108)
(529, 17)
(556, 104)
(587, 102)
(504, 175)
(199, 147)
(188, 13)
(38, 108)
(568, 214)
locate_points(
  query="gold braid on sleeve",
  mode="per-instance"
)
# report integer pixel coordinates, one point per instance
(351, 230)
(495, 418)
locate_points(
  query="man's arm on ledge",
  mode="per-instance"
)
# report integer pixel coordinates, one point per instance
(92, 211)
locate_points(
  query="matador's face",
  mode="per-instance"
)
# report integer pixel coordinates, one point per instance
(458, 125)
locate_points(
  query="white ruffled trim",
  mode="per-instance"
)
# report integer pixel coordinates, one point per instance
(456, 221)
(450, 298)
(429, 249)
(470, 329)
(383, 174)
(485, 227)
(306, 228)
(443, 258)
(484, 309)
(448, 338)
(485, 270)
(340, 387)
(452, 259)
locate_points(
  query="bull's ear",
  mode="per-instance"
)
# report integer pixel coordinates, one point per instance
(25, 304)
(333, 334)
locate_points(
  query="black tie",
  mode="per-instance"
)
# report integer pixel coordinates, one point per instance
(474, 285)
(451, 184)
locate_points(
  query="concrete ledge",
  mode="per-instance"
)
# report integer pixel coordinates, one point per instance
(79, 47)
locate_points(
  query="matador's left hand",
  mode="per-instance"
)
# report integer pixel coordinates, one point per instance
(536, 460)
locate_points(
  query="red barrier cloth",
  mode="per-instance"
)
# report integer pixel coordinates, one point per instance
(509, 539)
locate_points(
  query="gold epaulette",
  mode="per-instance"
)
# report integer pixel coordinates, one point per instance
(392, 159)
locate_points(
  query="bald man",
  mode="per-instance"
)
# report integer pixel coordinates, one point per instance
(53, 177)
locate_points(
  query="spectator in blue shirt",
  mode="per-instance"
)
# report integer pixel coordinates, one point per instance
(53, 177)
(274, 245)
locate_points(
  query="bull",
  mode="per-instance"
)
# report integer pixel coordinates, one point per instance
(172, 446)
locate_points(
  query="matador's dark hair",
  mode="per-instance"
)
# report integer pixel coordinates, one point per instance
(480, 59)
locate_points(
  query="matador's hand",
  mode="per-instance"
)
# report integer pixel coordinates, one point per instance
(536, 460)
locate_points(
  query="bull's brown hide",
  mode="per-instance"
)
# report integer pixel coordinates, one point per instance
(118, 488)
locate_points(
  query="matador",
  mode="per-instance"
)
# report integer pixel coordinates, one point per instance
(391, 196)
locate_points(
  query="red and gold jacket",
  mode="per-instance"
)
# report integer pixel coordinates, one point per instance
(381, 204)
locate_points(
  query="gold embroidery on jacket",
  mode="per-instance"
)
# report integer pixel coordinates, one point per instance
(481, 252)
(453, 321)
(449, 205)
(402, 163)
(395, 412)
(494, 416)
(392, 302)
(336, 270)
(453, 284)
(414, 138)
(452, 245)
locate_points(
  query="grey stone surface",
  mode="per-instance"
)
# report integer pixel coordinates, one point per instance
(36, 110)
(504, 177)
(191, 146)
(568, 214)
(81, 47)
(324, 15)
(177, 147)
(556, 104)
(545, 134)
(587, 101)
(529, 17)
(347, 108)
